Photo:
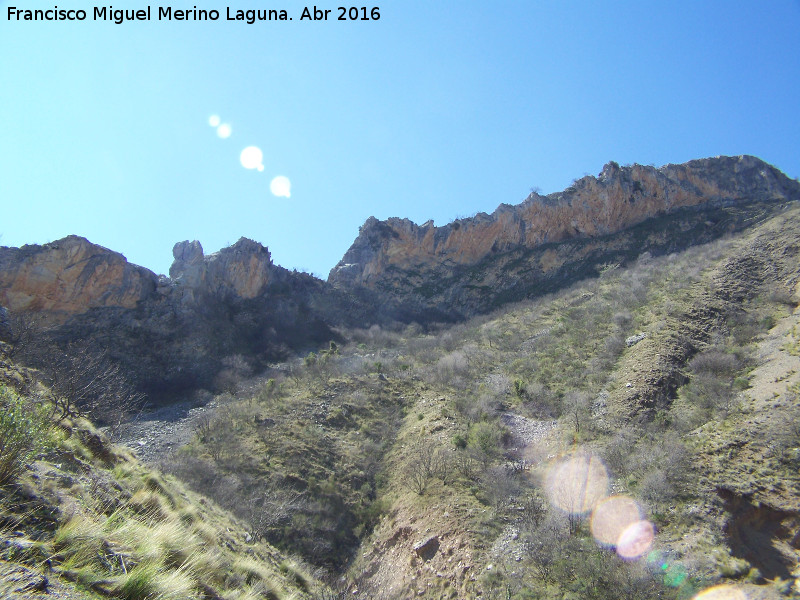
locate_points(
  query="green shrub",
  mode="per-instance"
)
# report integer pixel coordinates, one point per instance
(460, 441)
(23, 430)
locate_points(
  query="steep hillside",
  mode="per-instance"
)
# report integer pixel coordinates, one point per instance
(472, 265)
(508, 456)
(234, 311)
(626, 429)
(82, 519)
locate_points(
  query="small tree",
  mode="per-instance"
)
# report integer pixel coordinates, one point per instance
(421, 466)
(483, 441)
(84, 380)
(576, 405)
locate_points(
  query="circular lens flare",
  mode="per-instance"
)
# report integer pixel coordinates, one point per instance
(577, 484)
(214, 120)
(636, 540)
(721, 592)
(252, 158)
(281, 187)
(611, 517)
(224, 131)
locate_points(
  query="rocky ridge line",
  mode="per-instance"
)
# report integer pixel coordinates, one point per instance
(593, 206)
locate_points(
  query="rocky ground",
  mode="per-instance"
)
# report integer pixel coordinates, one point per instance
(22, 583)
(157, 432)
(531, 435)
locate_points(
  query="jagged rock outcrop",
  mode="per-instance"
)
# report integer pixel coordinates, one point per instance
(174, 333)
(70, 276)
(241, 270)
(411, 261)
(170, 334)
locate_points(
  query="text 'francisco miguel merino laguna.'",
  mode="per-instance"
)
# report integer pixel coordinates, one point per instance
(167, 13)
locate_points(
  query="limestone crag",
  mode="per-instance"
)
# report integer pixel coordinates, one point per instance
(171, 334)
(242, 270)
(70, 276)
(618, 198)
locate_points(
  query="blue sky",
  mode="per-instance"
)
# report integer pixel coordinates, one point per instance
(439, 109)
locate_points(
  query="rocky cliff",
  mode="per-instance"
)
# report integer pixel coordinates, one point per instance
(175, 333)
(70, 276)
(172, 334)
(410, 261)
(242, 270)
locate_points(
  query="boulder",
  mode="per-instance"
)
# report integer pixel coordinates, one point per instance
(427, 548)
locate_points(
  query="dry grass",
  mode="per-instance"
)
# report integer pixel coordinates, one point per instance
(161, 541)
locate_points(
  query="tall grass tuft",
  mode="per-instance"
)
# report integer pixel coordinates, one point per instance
(140, 582)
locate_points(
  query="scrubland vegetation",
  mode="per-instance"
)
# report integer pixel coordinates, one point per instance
(433, 461)
(403, 417)
(93, 522)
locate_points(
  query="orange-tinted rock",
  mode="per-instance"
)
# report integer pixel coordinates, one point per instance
(69, 277)
(242, 270)
(618, 198)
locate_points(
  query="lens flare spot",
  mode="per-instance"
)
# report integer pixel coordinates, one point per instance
(675, 575)
(281, 187)
(214, 120)
(721, 592)
(612, 516)
(577, 484)
(636, 540)
(252, 158)
(224, 131)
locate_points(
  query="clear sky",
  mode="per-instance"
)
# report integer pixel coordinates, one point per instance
(439, 109)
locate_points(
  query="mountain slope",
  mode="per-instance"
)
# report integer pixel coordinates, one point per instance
(437, 449)
(471, 265)
(657, 363)
(173, 336)
(83, 519)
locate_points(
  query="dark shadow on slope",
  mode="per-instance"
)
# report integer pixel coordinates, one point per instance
(757, 533)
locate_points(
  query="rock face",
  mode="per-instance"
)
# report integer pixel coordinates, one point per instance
(170, 334)
(241, 270)
(399, 257)
(174, 334)
(70, 276)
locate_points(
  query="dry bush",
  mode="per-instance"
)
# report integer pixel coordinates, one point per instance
(546, 540)
(498, 384)
(501, 486)
(236, 369)
(656, 488)
(715, 362)
(451, 365)
(85, 381)
(618, 451)
(421, 466)
(613, 345)
(474, 409)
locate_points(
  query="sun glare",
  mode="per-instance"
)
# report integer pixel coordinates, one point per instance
(636, 540)
(576, 484)
(721, 592)
(281, 187)
(612, 517)
(252, 158)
